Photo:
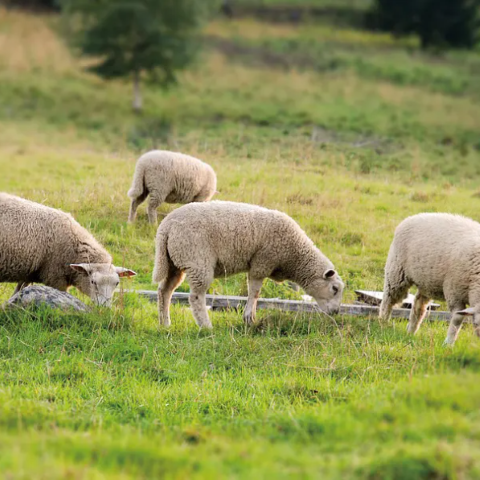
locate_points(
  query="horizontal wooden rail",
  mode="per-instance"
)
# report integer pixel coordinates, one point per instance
(223, 302)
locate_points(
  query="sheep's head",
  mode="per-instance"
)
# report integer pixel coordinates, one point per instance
(99, 280)
(327, 289)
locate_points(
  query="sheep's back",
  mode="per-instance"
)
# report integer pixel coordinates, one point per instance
(230, 233)
(183, 176)
(433, 247)
(28, 232)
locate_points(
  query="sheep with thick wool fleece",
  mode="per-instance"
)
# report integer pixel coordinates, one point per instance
(170, 177)
(39, 244)
(440, 254)
(212, 240)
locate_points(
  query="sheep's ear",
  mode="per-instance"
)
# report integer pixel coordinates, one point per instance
(329, 273)
(81, 267)
(467, 311)
(124, 272)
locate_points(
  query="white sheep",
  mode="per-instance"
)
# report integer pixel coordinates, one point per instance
(216, 239)
(440, 254)
(39, 244)
(170, 177)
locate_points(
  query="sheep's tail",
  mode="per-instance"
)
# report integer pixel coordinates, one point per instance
(160, 271)
(138, 185)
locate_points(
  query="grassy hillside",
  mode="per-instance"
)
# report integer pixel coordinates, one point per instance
(346, 131)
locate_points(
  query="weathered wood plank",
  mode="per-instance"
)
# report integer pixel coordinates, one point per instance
(375, 298)
(222, 302)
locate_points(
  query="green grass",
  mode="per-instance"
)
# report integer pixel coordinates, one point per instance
(107, 394)
(452, 76)
(348, 154)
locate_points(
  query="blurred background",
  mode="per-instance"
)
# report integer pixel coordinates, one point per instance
(349, 114)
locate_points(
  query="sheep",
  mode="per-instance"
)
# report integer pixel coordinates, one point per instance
(169, 177)
(211, 240)
(44, 245)
(440, 254)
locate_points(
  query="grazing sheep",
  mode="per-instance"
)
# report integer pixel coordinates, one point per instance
(440, 254)
(216, 239)
(44, 245)
(170, 177)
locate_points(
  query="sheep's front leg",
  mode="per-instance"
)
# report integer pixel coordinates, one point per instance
(476, 325)
(417, 314)
(455, 324)
(254, 287)
(20, 286)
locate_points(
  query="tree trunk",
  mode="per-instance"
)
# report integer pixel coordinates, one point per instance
(137, 96)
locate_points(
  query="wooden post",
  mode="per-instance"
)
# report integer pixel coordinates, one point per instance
(223, 302)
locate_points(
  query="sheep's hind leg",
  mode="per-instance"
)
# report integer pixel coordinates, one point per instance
(165, 292)
(390, 298)
(136, 202)
(417, 314)
(254, 287)
(155, 200)
(198, 302)
(200, 280)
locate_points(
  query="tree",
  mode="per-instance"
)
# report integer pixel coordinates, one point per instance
(135, 37)
(438, 23)
(47, 5)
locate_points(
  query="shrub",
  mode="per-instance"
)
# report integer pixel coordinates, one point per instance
(438, 23)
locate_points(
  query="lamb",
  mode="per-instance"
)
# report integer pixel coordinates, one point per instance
(440, 254)
(217, 239)
(170, 177)
(44, 245)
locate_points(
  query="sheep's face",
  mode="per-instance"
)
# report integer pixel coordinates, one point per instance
(99, 280)
(327, 290)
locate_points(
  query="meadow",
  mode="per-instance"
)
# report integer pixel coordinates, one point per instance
(345, 130)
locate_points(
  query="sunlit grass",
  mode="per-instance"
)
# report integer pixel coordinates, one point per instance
(113, 395)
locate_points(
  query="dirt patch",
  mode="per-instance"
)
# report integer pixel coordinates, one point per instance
(263, 56)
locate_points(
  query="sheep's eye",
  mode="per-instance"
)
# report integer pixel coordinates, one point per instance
(335, 290)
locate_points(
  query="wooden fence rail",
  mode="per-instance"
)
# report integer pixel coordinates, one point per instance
(223, 302)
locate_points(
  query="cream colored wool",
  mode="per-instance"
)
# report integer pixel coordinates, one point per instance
(39, 244)
(440, 254)
(212, 240)
(170, 177)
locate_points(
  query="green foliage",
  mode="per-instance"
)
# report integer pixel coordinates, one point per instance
(438, 23)
(130, 37)
(36, 4)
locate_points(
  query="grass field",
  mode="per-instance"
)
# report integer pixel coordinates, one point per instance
(346, 131)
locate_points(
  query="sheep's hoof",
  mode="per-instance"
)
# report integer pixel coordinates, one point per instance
(206, 326)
